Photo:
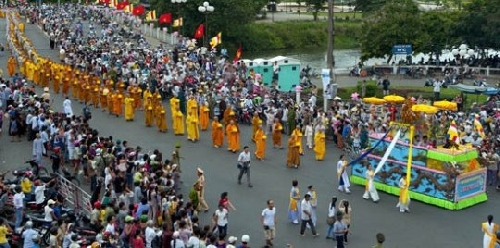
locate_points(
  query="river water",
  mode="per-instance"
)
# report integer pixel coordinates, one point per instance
(316, 58)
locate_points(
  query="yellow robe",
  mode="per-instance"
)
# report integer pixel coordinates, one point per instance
(193, 132)
(319, 145)
(174, 105)
(260, 143)
(217, 134)
(161, 120)
(298, 133)
(148, 113)
(277, 134)
(11, 66)
(65, 86)
(95, 97)
(178, 125)
(204, 117)
(118, 105)
(293, 155)
(192, 106)
(233, 137)
(129, 109)
(256, 121)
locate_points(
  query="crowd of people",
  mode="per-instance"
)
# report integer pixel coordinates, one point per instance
(139, 192)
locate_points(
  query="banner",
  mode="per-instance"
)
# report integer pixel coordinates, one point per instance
(325, 76)
(388, 151)
(470, 184)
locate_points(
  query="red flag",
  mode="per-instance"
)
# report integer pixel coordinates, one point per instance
(138, 10)
(238, 54)
(121, 5)
(200, 32)
(165, 18)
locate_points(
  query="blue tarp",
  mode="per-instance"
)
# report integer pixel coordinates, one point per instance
(476, 89)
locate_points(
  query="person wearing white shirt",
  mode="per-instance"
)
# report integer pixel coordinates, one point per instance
(150, 234)
(244, 165)
(220, 218)
(18, 201)
(306, 215)
(68, 110)
(194, 240)
(49, 211)
(39, 193)
(177, 241)
(268, 220)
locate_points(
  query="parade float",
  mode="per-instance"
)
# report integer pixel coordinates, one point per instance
(449, 178)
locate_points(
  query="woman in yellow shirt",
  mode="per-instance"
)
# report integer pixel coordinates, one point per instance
(4, 230)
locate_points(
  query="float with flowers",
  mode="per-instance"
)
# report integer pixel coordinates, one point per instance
(445, 174)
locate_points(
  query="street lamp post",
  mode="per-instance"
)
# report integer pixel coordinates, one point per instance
(206, 9)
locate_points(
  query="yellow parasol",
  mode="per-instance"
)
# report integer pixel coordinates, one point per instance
(446, 105)
(374, 100)
(394, 99)
(424, 108)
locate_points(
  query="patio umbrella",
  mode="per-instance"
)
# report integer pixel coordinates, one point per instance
(394, 99)
(446, 105)
(374, 100)
(424, 108)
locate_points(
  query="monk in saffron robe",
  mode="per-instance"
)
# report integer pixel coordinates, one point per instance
(217, 133)
(233, 137)
(260, 142)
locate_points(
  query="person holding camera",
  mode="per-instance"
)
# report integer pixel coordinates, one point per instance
(244, 165)
(268, 220)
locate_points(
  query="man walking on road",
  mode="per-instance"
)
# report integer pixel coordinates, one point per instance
(306, 215)
(244, 165)
(268, 220)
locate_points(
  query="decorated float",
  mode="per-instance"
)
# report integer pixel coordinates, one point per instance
(449, 178)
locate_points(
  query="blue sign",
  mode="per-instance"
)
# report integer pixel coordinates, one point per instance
(470, 184)
(402, 50)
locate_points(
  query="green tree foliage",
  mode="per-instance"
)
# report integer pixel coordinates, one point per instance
(437, 30)
(479, 24)
(368, 6)
(397, 22)
(228, 15)
(316, 6)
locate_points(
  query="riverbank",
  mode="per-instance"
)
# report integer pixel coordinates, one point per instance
(266, 36)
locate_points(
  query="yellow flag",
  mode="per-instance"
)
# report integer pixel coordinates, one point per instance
(216, 40)
(177, 22)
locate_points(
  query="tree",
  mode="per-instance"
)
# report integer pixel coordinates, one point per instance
(479, 24)
(316, 6)
(228, 15)
(397, 22)
(368, 6)
(437, 30)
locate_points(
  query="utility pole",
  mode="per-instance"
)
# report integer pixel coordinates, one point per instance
(330, 60)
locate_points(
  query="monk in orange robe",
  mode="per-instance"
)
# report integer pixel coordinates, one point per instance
(217, 133)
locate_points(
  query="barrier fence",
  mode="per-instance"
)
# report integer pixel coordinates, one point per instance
(75, 196)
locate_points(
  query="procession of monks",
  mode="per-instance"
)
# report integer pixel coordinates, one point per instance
(119, 99)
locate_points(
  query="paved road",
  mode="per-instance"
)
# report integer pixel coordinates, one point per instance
(425, 225)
